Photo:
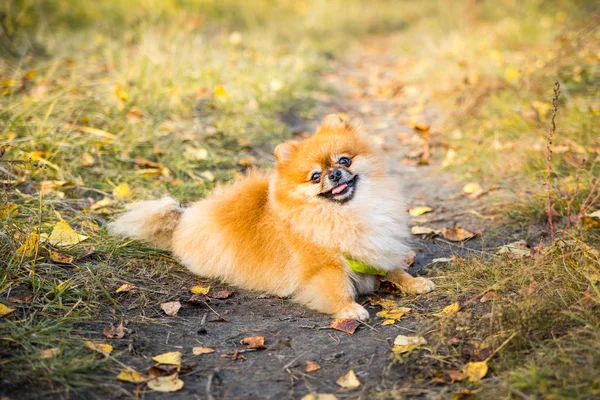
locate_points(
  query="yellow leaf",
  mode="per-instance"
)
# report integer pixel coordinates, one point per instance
(386, 304)
(171, 358)
(101, 348)
(126, 287)
(475, 370)
(4, 310)
(60, 258)
(389, 322)
(30, 245)
(102, 134)
(87, 160)
(348, 381)
(512, 74)
(471, 188)
(63, 235)
(541, 107)
(50, 353)
(200, 290)
(451, 309)
(398, 349)
(37, 155)
(122, 191)
(394, 314)
(202, 350)
(220, 92)
(319, 396)
(130, 375)
(170, 383)
(416, 211)
(8, 210)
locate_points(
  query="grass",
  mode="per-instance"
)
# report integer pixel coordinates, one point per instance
(104, 103)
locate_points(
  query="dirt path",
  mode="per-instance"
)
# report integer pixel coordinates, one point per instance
(292, 333)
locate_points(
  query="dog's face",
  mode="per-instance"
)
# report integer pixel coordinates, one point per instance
(326, 168)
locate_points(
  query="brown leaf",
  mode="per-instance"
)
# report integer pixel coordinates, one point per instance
(223, 294)
(347, 325)
(311, 366)
(115, 333)
(456, 375)
(202, 350)
(489, 296)
(423, 230)
(171, 308)
(60, 258)
(254, 342)
(410, 258)
(198, 299)
(457, 234)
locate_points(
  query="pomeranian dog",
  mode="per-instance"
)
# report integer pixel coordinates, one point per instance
(295, 231)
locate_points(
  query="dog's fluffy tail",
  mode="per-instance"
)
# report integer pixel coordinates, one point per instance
(151, 220)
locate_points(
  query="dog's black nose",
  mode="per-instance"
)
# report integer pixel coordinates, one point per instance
(335, 175)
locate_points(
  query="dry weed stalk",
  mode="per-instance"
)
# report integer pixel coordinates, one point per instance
(549, 138)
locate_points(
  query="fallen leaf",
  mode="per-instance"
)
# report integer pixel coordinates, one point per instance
(200, 290)
(456, 375)
(87, 160)
(63, 235)
(223, 294)
(348, 381)
(409, 259)
(591, 220)
(50, 353)
(475, 370)
(130, 375)
(416, 211)
(171, 308)
(393, 314)
(421, 127)
(319, 396)
(171, 358)
(402, 340)
(489, 296)
(463, 394)
(101, 348)
(471, 188)
(448, 310)
(423, 230)
(388, 322)
(122, 191)
(347, 325)
(126, 287)
(311, 366)
(516, 249)
(457, 234)
(197, 299)
(386, 304)
(254, 342)
(202, 350)
(220, 92)
(195, 153)
(8, 210)
(166, 384)
(28, 248)
(442, 260)
(115, 333)
(60, 258)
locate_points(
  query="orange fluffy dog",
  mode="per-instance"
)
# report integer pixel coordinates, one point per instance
(291, 232)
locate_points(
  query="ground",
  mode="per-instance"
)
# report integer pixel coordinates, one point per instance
(103, 106)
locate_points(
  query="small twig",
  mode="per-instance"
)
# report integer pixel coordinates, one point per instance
(213, 375)
(213, 310)
(550, 136)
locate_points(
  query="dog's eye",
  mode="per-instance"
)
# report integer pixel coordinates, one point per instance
(316, 177)
(345, 161)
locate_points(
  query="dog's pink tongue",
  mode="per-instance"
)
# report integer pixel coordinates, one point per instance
(339, 189)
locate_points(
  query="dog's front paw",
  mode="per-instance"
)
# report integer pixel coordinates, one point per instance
(418, 285)
(353, 311)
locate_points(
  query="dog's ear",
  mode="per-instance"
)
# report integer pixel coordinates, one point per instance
(334, 123)
(284, 151)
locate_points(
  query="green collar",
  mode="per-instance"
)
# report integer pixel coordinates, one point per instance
(364, 268)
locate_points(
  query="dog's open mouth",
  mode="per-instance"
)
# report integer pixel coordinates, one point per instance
(342, 192)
